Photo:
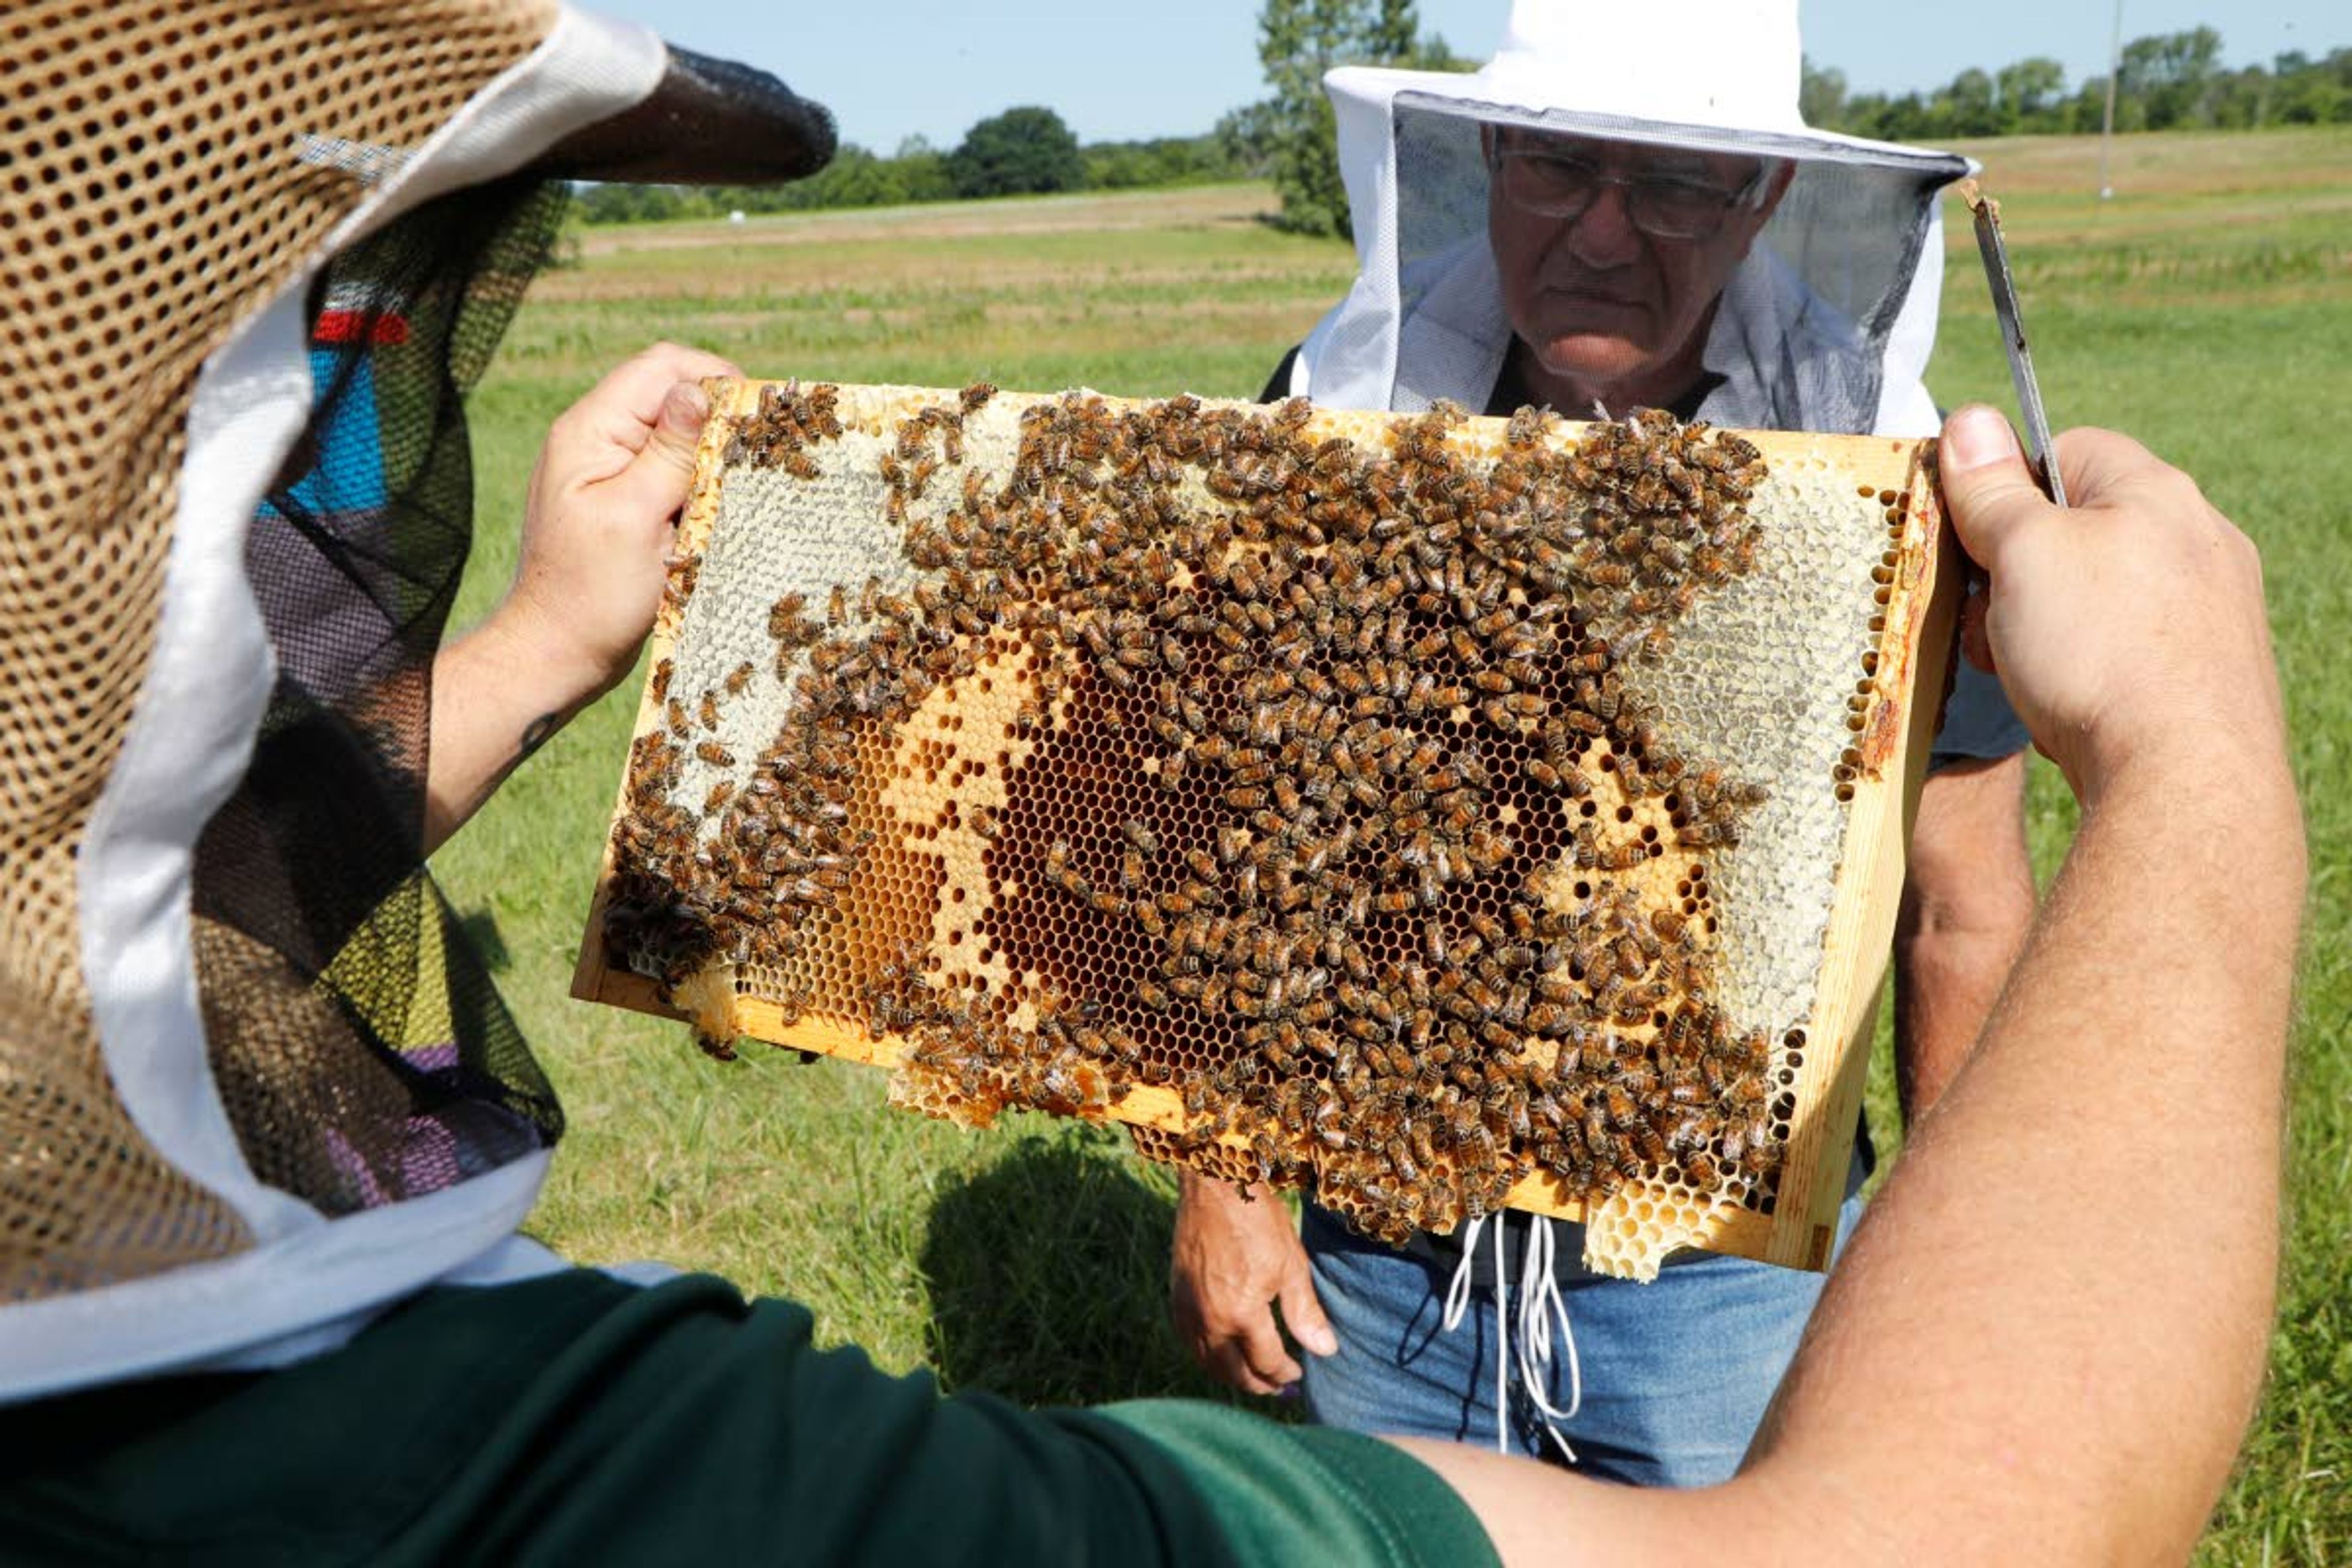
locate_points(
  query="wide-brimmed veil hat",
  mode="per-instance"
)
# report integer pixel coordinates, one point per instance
(1853, 252)
(254, 1080)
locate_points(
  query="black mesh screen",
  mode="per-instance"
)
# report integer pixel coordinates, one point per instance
(363, 1054)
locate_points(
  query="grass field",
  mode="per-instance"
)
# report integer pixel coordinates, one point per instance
(2208, 309)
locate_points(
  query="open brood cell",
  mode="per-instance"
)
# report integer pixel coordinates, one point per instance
(1448, 813)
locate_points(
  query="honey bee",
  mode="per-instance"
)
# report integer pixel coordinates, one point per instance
(1621, 857)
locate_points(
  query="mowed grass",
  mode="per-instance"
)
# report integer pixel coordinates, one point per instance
(2207, 309)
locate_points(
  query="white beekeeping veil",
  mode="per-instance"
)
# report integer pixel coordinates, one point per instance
(1825, 326)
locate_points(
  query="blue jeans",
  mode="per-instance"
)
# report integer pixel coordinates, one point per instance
(1677, 1373)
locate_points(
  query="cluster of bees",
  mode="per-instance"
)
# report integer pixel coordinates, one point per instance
(1348, 819)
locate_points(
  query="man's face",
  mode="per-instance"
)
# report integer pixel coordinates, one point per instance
(1617, 296)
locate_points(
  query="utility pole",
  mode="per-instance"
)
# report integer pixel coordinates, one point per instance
(2108, 129)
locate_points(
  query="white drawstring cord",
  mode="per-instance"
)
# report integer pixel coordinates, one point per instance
(1539, 1301)
(1502, 1346)
(1457, 1293)
(1457, 1301)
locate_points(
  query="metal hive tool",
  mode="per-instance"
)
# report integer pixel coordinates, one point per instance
(1449, 813)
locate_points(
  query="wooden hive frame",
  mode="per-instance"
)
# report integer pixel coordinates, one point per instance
(1878, 496)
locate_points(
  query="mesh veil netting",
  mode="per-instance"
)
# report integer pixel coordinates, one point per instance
(150, 206)
(1811, 334)
(362, 1053)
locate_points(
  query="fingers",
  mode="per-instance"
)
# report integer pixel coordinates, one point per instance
(1251, 1353)
(1992, 495)
(654, 483)
(1235, 1340)
(684, 408)
(1976, 639)
(1304, 1313)
(597, 437)
(2128, 628)
(1254, 1360)
(636, 387)
(1988, 488)
(597, 524)
(1233, 1259)
(2104, 468)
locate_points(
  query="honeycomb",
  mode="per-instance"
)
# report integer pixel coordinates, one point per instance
(1440, 813)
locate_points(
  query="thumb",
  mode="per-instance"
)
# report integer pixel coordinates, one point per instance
(658, 475)
(1304, 1314)
(1988, 489)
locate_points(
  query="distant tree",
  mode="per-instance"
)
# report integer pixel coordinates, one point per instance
(1121, 166)
(2310, 98)
(1163, 160)
(1891, 119)
(2086, 113)
(1434, 53)
(1246, 136)
(637, 204)
(922, 172)
(1820, 96)
(2031, 91)
(2171, 76)
(1022, 151)
(1966, 107)
(1299, 40)
(856, 178)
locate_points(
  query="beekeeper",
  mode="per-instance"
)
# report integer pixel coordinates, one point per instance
(1624, 209)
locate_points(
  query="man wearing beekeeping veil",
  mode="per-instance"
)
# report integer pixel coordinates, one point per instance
(1623, 209)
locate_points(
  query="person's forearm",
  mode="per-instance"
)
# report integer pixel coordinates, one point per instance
(497, 696)
(1967, 905)
(2046, 1342)
(1945, 986)
(1943, 993)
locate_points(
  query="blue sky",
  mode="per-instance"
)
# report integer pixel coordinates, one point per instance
(1119, 70)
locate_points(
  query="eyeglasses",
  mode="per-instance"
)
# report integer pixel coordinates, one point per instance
(1664, 206)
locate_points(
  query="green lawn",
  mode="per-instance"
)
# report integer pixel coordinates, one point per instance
(2208, 309)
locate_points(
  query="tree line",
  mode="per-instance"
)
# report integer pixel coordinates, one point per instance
(2166, 82)
(1025, 151)
(2170, 81)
